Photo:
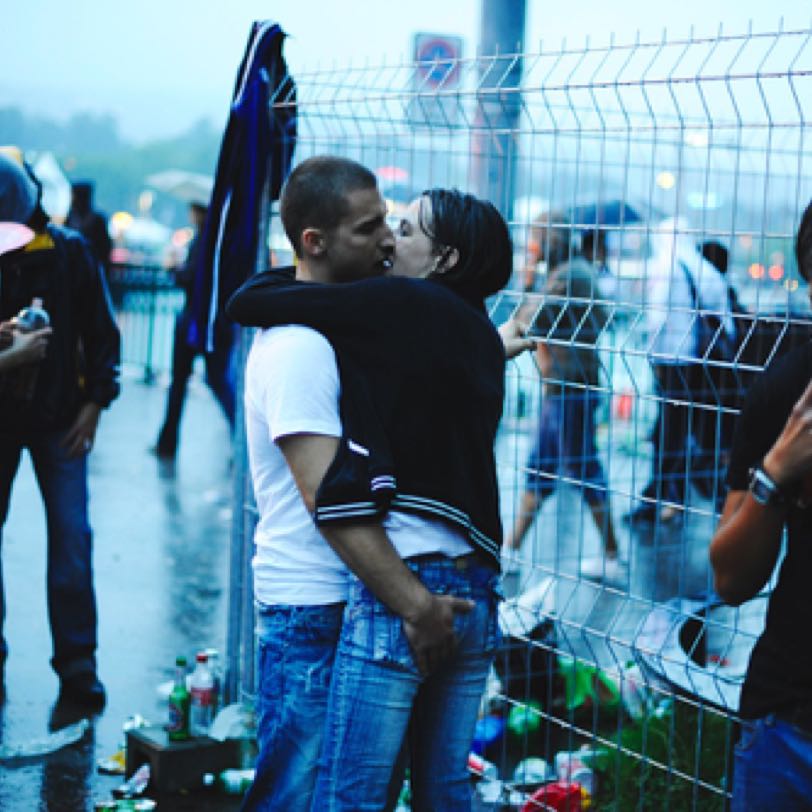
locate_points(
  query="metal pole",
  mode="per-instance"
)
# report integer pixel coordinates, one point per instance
(149, 373)
(240, 676)
(494, 141)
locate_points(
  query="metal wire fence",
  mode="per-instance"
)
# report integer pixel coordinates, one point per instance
(624, 159)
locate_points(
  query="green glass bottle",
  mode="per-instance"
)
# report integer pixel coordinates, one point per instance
(179, 704)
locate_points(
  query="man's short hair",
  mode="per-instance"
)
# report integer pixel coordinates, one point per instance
(315, 194)
(803, 244)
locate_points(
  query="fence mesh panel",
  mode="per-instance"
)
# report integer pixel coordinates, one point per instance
(627, 157)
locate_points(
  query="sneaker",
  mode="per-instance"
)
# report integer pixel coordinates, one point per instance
(608, 570)
(84, 690)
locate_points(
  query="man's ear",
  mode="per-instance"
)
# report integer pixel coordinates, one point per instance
(314, 243)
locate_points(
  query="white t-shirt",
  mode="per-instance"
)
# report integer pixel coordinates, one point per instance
(292, 387)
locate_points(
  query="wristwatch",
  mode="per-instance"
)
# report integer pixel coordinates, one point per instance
(764, 490)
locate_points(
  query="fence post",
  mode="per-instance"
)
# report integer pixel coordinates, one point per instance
(149, 373)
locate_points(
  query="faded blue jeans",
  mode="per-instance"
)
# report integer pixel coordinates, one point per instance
(378, 695)
(71, 600)
(773, 767)
(296, 648)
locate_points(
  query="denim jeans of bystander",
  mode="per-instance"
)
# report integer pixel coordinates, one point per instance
(773, 767)
(296, 649)
(62, 481)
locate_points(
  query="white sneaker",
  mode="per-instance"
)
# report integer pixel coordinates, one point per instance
(608, 570)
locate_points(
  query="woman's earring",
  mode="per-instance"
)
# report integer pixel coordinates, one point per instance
(438, 263)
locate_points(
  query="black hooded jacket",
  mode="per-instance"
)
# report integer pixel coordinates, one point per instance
(83, 356)
(422, 385)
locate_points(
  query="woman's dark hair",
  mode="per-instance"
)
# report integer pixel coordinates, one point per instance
(803, 244)
(480, 236)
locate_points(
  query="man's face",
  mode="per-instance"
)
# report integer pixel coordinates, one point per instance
(362, 244)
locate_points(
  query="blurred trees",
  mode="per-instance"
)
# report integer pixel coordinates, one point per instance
(88, 146)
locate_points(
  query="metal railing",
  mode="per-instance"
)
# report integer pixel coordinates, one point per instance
(685, 141)
(145, 301)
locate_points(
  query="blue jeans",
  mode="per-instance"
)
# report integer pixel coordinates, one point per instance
(296, 648)
(773, 767)
(566, 444)
(378, 694)
(71, 600)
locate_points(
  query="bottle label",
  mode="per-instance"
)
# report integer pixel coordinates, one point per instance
(177, 718)
(203, 696)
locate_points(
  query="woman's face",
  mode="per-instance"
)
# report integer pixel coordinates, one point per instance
(415, 256)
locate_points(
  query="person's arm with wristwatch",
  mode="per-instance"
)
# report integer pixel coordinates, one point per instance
(745, 547)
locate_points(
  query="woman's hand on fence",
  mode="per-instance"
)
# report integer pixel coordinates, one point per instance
(514, 336)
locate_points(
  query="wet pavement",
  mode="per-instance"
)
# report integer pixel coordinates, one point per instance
(161, 539)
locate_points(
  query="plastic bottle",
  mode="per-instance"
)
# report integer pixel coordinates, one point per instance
(571, 767)
(135, 785)
(202, 689)
(179, 701)
(31, 318)
(217, 675)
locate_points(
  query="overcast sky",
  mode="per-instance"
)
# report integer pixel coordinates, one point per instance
(159, 65)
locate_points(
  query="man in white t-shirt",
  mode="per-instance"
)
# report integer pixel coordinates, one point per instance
(335, 218)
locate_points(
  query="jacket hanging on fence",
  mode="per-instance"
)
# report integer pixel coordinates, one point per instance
(257, 150)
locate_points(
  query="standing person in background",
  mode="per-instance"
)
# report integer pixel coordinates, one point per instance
(680, 284)
(770, 481)
(91, 224)
(568, 323)
(715, 427)
(219, 375)
(55, 418)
